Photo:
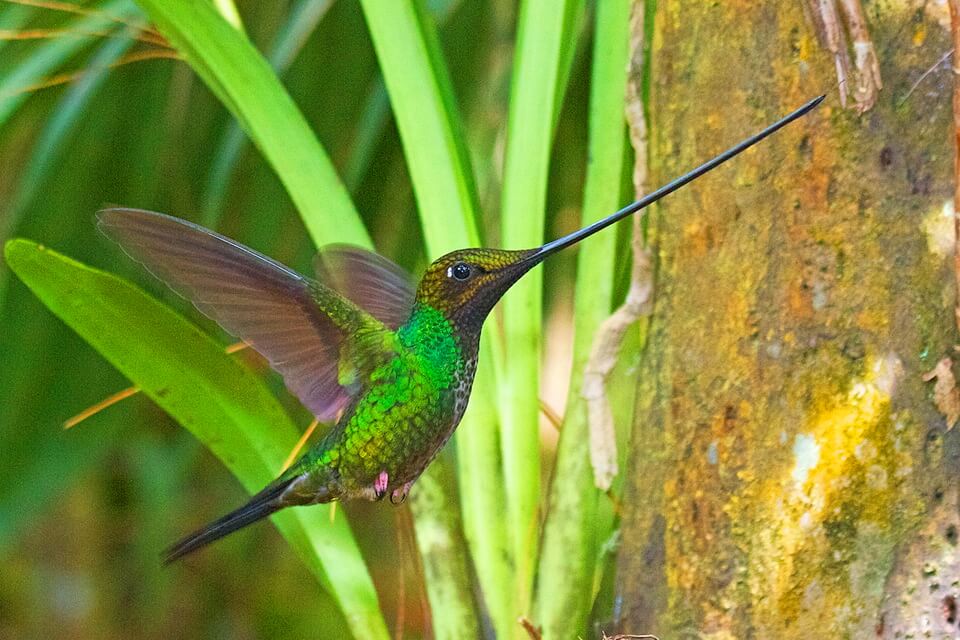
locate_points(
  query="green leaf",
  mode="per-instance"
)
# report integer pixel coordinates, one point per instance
(422, 100)
(443, 549)
(224, 404)
(575, 525)
(240, 77)
(543, 36)
(52, 142)
(52, 54)
(229, 11)
(423, 103)
(13, 17)
(301, 22)
(371, 123)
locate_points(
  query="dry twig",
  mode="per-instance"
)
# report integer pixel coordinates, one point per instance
(868, 82)
(609, 337)
(70, 7)
(532, 630)
(126, 393)
(945, 393)
(834, 34)
(64, 78)
(827, 23)
(923, 76)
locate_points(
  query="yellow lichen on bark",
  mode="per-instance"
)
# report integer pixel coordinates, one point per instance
(840, 480)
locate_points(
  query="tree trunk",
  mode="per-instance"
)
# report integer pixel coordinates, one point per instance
(791, 475)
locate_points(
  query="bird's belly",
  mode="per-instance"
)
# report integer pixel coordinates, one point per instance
(399, 425)
(398, 444)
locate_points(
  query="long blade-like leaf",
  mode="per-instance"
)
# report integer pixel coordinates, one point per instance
(574, 528)
(218, 399)
(301, 22)
(542, 41)
(423, 103)
(243, 80)
(15, 86)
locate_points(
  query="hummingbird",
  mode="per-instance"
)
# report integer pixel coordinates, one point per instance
(390, 363)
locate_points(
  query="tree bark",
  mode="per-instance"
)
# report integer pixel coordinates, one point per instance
(791, 476)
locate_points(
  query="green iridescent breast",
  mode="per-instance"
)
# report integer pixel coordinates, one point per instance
(407, 408)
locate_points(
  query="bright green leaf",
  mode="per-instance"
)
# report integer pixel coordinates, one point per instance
(224, 404)
(543, 35)
(576, 526)
(49, 57)
(243, 80)
(421, 96)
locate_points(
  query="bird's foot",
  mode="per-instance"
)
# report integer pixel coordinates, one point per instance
(380, 485)
(400, 493)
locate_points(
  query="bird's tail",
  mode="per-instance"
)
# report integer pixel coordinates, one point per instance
(268, 501)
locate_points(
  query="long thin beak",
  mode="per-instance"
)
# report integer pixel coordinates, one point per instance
(577, 236)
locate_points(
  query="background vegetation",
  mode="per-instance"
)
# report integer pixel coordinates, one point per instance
(415, 118)
(790, 472)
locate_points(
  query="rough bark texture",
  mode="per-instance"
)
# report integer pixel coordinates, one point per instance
(790, 474)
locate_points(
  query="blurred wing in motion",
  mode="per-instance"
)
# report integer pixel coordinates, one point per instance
(370, 281)
(297, 324)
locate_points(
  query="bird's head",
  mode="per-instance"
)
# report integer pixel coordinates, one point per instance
(465, 284)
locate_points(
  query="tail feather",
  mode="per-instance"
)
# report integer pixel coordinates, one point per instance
(260, 506)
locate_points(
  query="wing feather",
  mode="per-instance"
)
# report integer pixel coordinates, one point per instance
(297, 324)
(373, 283)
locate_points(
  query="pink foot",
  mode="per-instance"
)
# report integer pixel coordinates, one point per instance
(380, 485)
(400, 493)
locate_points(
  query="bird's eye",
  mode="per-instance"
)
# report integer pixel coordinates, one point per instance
(460, 271)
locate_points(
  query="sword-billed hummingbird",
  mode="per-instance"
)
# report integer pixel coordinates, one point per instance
(394, 362)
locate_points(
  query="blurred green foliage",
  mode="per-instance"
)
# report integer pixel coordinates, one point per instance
(84, 513)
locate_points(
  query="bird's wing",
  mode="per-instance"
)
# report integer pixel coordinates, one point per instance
(370, 281)
(297, 324)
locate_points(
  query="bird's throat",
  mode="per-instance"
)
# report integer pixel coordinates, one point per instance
(433, 337)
